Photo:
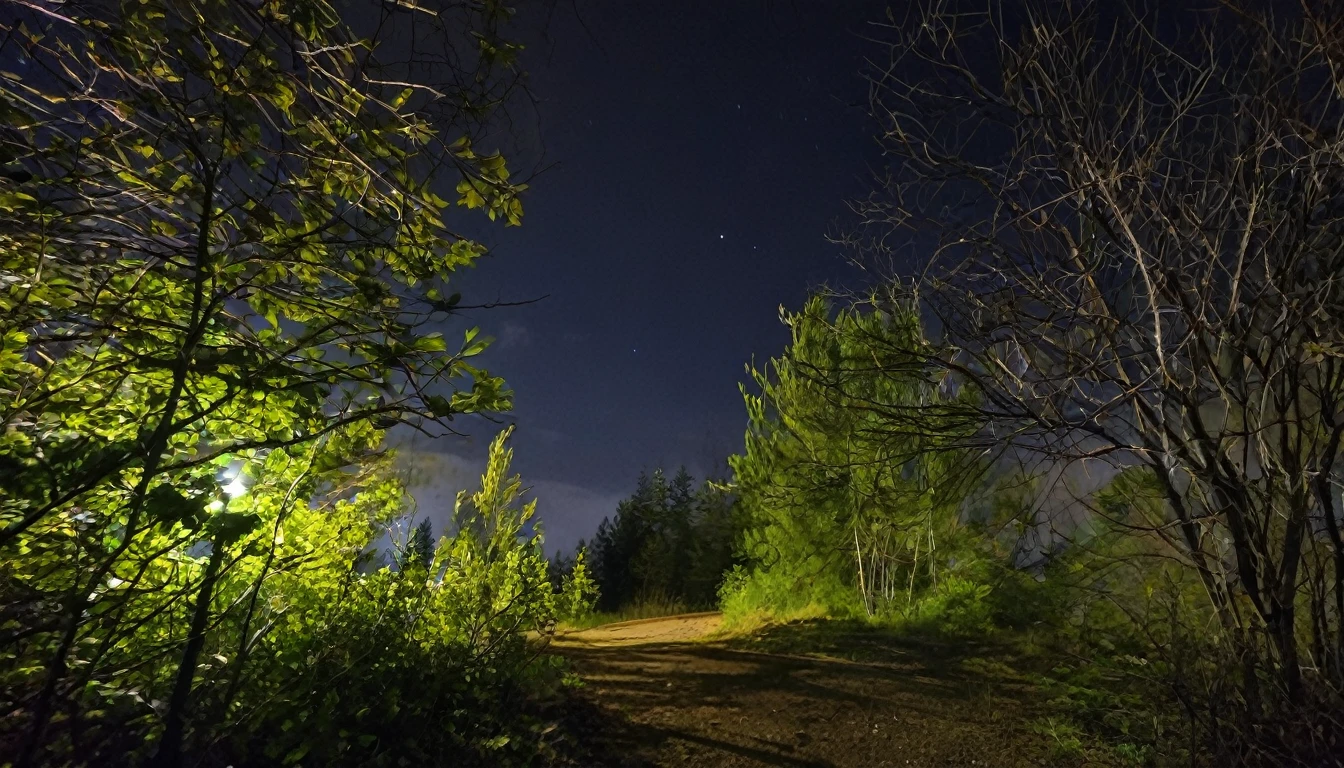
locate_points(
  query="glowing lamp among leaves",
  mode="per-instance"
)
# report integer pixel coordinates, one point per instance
(236, 486)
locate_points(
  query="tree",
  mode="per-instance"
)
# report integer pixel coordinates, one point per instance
(668, 545)
(711, 553)
(840, 505)
(420, 546)
(1135, 261)
(223, 247)
(621, 539)
(498, 578)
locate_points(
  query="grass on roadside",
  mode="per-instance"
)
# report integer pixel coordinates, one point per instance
(650, 608)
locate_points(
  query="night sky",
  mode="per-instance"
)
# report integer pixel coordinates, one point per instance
(695, 156)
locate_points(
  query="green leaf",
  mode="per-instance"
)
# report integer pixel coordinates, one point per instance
(431, 343)
(296, 754)
(471, 350)
(229, 527)
(165, 505)
(439, 406)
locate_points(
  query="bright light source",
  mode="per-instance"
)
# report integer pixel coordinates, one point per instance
(236, 487)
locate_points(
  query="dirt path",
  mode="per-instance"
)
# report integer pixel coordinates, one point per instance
(687, 627)
(659, 694)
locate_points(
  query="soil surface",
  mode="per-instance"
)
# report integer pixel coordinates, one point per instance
(665, 692)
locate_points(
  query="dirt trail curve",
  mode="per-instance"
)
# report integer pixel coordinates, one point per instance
(659, 693)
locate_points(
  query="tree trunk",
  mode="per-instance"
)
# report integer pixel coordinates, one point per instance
(170, 747)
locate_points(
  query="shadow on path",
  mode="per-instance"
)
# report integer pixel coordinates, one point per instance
(712, 704)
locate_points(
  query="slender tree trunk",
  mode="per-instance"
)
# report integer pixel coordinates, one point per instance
(858, 555)
(1325, 497)
(914, 567)
(170, 747)
(933, 561)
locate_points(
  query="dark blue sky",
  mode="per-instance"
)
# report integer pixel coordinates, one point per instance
(696, 155)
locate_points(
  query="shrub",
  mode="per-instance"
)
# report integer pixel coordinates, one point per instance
(957, 608)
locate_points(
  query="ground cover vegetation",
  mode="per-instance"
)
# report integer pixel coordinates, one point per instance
(226, 271)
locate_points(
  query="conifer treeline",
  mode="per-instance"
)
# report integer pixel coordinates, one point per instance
(671, 541)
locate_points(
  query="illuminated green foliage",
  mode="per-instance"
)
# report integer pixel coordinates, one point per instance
(225, 271)
(842, 510)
